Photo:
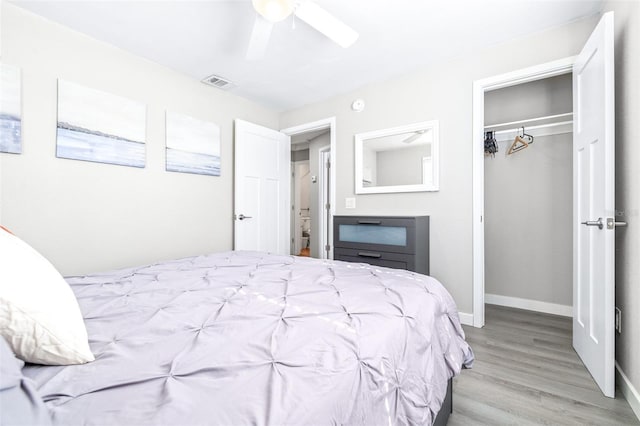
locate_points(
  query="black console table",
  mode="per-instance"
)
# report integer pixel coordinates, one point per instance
(400, 242)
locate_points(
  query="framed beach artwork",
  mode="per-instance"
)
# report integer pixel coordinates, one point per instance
(193, 146)
(10, 110)
(100, 127)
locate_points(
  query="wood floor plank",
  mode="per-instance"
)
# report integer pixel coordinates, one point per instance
(527, 373)
(572, 375)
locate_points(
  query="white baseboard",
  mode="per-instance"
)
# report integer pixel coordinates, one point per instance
(628, 390)
(465, 318)
(530, 305)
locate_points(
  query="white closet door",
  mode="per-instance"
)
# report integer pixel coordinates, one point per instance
(593, 206)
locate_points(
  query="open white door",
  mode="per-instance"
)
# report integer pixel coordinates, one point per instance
(593, 206)
(261, 188)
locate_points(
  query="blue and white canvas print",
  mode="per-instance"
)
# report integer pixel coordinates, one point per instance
(98, 126)
(193, 146)
(10, 110)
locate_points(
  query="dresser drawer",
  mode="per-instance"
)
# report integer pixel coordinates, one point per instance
(389, 234)
(389, 260)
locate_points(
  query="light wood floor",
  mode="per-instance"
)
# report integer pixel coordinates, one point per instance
(526, 373)
(305, 252)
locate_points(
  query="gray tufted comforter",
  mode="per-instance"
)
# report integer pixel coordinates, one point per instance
(243, 338)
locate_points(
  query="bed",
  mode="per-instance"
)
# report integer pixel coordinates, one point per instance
(241, 338)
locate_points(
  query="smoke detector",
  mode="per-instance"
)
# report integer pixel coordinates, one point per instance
(358, 105)
(218, 82)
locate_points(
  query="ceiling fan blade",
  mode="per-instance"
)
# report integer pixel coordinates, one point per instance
(413, 137)
(326, 23)
(259, 39)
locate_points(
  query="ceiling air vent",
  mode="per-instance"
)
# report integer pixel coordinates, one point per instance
(217, 81)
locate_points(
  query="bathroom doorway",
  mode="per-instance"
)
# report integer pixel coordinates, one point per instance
(312, 188)
(309, 192)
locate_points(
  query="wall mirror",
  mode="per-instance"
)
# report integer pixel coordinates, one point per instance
(399, 159)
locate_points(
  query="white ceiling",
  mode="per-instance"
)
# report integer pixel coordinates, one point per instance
(301, 66)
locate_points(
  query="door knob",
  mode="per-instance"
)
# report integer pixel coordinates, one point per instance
(242, 217)
(597, 223)
(612, 224)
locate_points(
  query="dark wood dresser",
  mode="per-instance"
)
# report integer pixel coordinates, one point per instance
(400, 242)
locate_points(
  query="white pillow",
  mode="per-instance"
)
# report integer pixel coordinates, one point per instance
(39, 314)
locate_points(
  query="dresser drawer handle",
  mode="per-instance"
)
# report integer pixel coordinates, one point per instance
(369, 222)
(365, 254)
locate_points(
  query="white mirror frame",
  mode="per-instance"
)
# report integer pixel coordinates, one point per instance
(435, 155)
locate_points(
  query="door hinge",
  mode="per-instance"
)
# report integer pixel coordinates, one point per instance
(327, 247)
(327, 206)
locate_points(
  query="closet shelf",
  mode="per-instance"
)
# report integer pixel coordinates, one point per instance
(540, 126)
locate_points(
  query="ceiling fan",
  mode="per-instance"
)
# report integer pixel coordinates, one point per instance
(416, 135)
(272, 11)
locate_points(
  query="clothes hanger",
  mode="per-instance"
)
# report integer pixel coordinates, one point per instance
(526, 137)
(520, 143)
(490, 144)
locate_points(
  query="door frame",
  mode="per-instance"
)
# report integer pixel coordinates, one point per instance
(325, 123)
(326, 233)
(536, 72)
(294, 202)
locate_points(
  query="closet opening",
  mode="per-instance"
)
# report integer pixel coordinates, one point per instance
(528, 196)
(525, 193)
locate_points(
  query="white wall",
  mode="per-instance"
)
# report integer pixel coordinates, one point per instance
(440, 92)
(627, 53)
(528, 239)
(301, 198)
(369, 167)
(303, 184)
(537, 98)
(87, 216)
(401, 166)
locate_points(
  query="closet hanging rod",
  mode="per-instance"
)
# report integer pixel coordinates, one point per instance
(540, 126)
(530, 120)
